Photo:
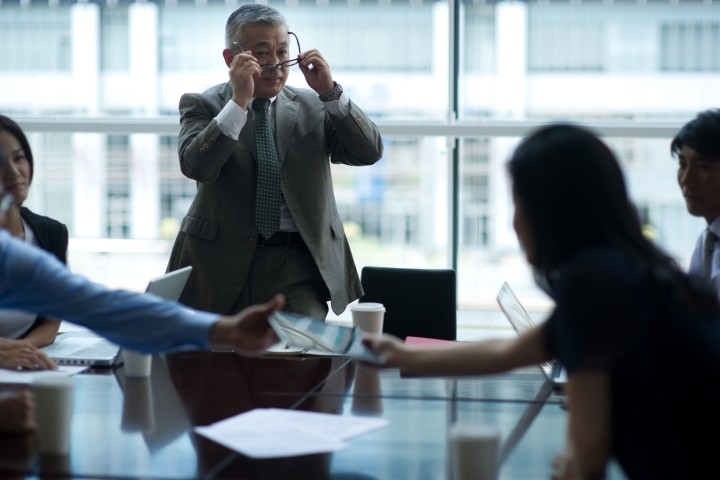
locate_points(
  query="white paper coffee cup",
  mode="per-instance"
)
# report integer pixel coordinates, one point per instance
(368, 316)
(137, 364)
(475, 451)
(53, 394)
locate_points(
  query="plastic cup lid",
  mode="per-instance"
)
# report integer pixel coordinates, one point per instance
(368, 307)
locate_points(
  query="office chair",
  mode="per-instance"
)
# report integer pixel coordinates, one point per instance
(418, 302)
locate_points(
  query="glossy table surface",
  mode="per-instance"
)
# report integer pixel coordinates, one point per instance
(143, 428)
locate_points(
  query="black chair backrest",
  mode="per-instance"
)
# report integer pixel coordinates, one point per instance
(418, 302)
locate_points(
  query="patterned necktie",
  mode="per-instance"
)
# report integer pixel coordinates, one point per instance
(708, 249)
(267, 182)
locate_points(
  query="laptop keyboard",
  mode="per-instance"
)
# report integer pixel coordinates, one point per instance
(99, 349)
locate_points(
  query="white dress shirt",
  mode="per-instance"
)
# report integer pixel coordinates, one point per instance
(232, 119)
(697, 261)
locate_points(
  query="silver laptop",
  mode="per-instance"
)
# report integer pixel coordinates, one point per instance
(90, 349)
(521, 321)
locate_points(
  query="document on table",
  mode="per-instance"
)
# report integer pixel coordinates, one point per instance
(27, 376)
(275, 432)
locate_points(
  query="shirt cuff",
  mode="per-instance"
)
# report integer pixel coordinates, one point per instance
(340, 107)
(231, 119)
(196, 329)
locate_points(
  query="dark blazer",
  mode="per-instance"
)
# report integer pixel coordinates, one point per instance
(50, 234)
(217, 236)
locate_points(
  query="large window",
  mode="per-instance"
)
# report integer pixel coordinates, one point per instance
(424, 70)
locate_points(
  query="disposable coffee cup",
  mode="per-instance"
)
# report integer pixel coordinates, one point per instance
(137, 364)
(475, 451)
(368, 316)
(53, 394)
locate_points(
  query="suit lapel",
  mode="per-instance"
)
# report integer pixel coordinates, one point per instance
(286, 115)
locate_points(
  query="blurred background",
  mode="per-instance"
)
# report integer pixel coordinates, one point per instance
(453, 86)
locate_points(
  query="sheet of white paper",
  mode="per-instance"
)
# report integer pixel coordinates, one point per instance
(272, 432)
(26, 377)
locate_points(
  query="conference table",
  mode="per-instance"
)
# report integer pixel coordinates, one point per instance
(145, 427)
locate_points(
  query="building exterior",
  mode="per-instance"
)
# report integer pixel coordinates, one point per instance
(406, 62)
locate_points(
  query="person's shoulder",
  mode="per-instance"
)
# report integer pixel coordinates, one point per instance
(600, 265)
(300, 94)
(598, 256)
(217, 89)
(221, 90)
(35, 219)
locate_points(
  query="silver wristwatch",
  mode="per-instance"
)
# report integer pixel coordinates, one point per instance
(333, 94)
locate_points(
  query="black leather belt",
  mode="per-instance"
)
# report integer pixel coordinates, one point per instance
(281, 239)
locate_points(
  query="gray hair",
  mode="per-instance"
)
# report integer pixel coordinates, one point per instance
(251, 14)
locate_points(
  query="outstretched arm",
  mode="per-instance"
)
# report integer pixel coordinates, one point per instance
(249, 331)
(33, 280)
(463, 358)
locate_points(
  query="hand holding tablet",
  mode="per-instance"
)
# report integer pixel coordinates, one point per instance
(299, 331)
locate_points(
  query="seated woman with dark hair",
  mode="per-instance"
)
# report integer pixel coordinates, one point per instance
(16, 176)
(640, 340)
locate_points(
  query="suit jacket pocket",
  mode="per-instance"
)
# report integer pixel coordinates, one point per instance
(199, 227)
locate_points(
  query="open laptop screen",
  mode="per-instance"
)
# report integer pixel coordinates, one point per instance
(521, 322)
(90, 349)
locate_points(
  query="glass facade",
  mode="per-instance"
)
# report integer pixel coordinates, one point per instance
(435, 199)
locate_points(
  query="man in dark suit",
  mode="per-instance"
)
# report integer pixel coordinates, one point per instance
(308, 258)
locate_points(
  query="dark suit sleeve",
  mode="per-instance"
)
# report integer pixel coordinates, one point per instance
(203, 148)
(353, 139)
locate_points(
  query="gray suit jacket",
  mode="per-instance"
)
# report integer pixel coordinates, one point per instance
(217, 236)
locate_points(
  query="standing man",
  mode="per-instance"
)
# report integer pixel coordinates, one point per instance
(264, 219)
(697, 148)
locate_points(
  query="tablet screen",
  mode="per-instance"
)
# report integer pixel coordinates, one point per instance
(309, 333)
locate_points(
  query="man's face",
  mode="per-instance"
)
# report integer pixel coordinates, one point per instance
(699, 180)
(269, 44)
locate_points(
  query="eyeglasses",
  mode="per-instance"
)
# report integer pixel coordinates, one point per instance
(272, 66)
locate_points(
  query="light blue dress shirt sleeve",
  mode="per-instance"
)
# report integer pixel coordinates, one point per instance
(35, 281)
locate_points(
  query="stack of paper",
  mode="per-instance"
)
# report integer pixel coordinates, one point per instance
(275, 432)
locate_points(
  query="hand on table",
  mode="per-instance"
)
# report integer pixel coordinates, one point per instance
(21, 355)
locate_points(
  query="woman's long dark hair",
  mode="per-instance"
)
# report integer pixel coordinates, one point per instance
(572, 192)
(8, 125)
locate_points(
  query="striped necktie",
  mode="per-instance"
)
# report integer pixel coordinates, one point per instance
(267, 181)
